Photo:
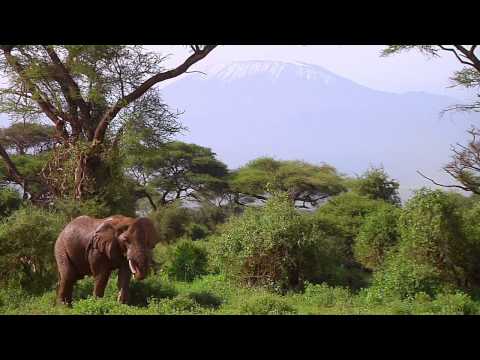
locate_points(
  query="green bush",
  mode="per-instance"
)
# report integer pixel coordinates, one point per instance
(140, 291)
(272, 246)
(206, 299)
(181, 304)
(197, 231)
(376, 184)
(431, 253)
(340, 220)
(27, 239)
(267, 304)
(10, 201)
(376, 236)
(324, 295)
(471, 233)
(72, 208)
(103, 306)
(171, 221)
(454, 304)
(186, 260)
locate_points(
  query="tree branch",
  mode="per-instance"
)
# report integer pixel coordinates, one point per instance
(12, 169)
(110, 114)
(44, 104)
(446, 186)
(470, 55)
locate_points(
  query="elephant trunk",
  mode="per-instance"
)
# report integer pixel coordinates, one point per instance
(139, 263)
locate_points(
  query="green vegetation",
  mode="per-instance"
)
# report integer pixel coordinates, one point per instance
(354, 255)
(273, 237)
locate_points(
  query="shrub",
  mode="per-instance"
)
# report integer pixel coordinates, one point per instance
(140, 291)
(471, 233)
(171, 221)
(267, 304)
(269, 247)
(181, 304)
(72, 208)
(10, 201)
(206, 299)
(197, 231)
(186, 260)
(456, 303)
(340, 220)
(27, 239)
(102, 306)
(376, 184)
(324, 295)
(376, 236)
(431, 252)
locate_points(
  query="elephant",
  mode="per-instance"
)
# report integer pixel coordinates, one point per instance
(95, 247)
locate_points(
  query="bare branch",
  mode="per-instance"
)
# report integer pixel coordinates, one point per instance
(145, 86)
(438, 184)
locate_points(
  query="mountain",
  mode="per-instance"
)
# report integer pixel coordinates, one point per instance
(248, 109)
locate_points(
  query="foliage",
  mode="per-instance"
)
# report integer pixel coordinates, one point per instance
(197, 231)
(343, 215)
(376, 184)
(171, 221)
(376, 236)
(341, 219)
(306, 183)
(27, 137)
(328, 296)
(267, 304)
(181, 304)
(471, 234)
(26, 247)
(9, 201)
(215, 294)
(71, 208)
(186, 260)
(269, 247)
(177, 170)
(92, 94)
(430, 255)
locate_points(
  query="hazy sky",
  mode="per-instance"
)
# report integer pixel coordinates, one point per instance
(408, 71)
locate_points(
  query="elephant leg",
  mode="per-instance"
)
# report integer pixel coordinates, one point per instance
(66, 281)
(123, 283)
(101, 281)
(65, 290)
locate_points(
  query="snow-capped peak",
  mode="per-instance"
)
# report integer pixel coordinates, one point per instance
(274, 69)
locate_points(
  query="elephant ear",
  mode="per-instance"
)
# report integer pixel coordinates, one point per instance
(105, 240)
(151, 235)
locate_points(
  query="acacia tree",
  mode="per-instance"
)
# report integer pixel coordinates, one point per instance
(175, 171)
(83, 90)
(27, 137)
(468, 76)
(27, 146)
(465, 164)
(376, 184)
(306, 184)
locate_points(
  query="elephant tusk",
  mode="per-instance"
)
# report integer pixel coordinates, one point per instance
(131, 266)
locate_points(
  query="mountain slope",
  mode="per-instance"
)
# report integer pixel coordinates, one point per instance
(243, 110)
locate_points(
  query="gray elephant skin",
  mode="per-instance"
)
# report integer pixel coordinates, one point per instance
(95, 247)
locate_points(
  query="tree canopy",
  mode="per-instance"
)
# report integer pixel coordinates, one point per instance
(376, 184)
(468, 76)
(90, 93)
(177, 171)
(306, 184)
